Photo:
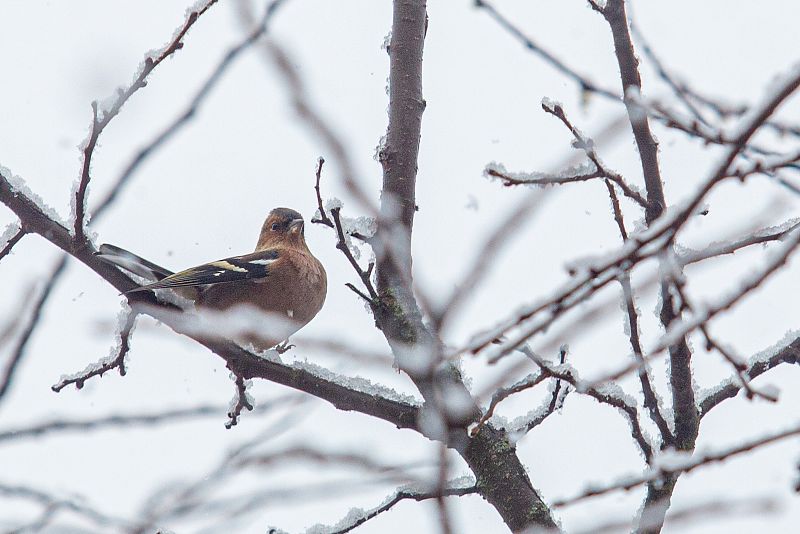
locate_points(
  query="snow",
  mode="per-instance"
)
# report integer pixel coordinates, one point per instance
(550, 104)
(122, 319)
(73, 202)
(21, 187)
(355, 383)
(10, 231)
(637, 108)
(534, 176)
(387, 40)
(248, 397)
(365, 226)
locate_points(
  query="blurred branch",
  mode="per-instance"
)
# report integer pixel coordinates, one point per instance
(54, 503)
(191, 110)
(716, 250)
(681, 463)
(583, 82)
(116, 421)
(21, 344)
(102, 115)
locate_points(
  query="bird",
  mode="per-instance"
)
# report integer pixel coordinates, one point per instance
(281, 278)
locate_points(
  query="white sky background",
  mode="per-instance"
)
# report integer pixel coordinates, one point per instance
(205, 194)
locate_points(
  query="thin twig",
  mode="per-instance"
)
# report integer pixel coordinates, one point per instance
(102, 117)
(191, 110)
(241, 401)
(651, 399)
(587, 145)
(401, 495)
(13, 240)
(115, 361)
(323, 217)
(342, 245)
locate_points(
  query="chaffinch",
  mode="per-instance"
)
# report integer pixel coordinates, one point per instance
(281, 277)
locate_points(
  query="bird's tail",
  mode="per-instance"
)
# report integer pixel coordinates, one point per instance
(132, 263)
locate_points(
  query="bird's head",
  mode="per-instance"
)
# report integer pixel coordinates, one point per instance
(283, 226)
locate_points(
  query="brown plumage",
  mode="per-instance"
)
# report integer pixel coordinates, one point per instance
(280, 277)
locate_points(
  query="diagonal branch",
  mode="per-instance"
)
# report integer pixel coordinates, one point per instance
(35, 317)
(360, 517)
(756, 366)
(13, 239)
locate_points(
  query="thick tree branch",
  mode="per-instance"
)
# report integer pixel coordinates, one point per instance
(400, 414)
(501, 478)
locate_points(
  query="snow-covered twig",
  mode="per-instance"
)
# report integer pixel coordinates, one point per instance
(764, 235)
(116, 360)
(190, 111)
(706, 313)
(606, 394)
(784, 352)
(357, 517)
(102, 114)
(587, 145)
(10, 237)
(241, 400)
(528, 382)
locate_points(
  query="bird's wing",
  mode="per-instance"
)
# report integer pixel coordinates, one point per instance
(132, 263)
(236, 269)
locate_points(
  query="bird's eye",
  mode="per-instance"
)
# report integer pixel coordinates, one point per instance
(275, 227)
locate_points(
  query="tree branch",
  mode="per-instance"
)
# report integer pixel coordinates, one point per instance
(400, 414)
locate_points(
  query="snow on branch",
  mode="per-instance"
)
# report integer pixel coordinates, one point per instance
(785, 351)
(717, 249)
(242, 399)
(707, 312)
(10, 237)
(115, 360)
